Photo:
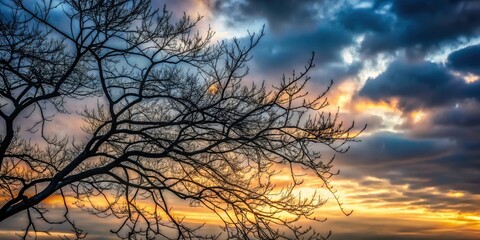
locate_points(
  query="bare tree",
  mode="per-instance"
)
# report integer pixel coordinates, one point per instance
(173, 120)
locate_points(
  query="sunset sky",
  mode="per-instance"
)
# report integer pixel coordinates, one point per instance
(408, 69)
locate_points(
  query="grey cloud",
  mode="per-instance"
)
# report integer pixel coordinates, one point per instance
(420, 163)
(373, 122)
(459, 121)
(292, 51)
(278, 14)
(419, 85)
(385, 148)
(421, 26)
(465, 115)
(411, 168)
(361, 20)
(466, 60)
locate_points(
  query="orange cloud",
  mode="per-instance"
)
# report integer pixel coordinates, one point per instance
(363, 105)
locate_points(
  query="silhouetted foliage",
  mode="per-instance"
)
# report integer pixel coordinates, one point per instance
(172, 120)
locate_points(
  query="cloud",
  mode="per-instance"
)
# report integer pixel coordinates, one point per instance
(419, 85)
(436, 152)
(466, 115)
(392, 172)
(361, 20)
(389, 148)
(281, 54)
(460, 123)
(466, 60)
(387, 25)
(421, 163)
(421, 26)
(278, 15)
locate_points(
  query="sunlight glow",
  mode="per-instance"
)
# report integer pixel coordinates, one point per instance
(388, 110)
(456, 194)
(470, 78)
(473, 217)
(417, 116)
(213, 89)
(370, 202)
(346, 91)
(382, 106)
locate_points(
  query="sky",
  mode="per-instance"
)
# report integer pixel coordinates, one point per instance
(408, 69)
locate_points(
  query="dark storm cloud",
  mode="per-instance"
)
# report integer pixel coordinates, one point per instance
(336, 71)
(459, 122)
(466, 60)
(459, 170)
(465, 115)
(294, 29)
(415, 26)
(277, 13)
(362, 20)
(280, 54)
(419, 85)
(424, 25)
(390, 147)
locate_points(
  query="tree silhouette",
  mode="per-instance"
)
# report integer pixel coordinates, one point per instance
(172, 120)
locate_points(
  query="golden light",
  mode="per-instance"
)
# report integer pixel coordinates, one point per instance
(381, 106)
(456, 194)
(58, 201)
(347, 90)
(417, 116)
(401, 214)
(472, 217)
(470, 78)
(213, 89)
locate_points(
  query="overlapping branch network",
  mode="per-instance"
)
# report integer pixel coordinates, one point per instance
(174, 119)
